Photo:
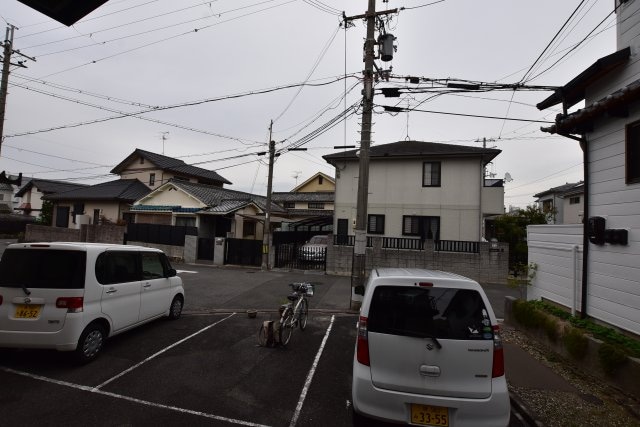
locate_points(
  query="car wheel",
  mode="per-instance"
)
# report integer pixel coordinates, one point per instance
(90, 343)
(175, 310)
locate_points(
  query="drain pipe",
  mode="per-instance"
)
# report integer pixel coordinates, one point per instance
(585, 221)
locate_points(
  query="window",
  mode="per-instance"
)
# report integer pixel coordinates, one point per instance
(427, 227)
(78, 209)
(320, 180)
(316, 205)
(96, 216)
(152, 179)
(289, 205)
(152, 266)
(248, 229)
(117, 267)
(632, 153)
(142, 160)
(186, 221)
(574, 200)
(375, 224)
(431, 174)
(43, 268)
(446, 313)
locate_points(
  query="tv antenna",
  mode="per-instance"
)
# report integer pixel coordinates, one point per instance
(164, 138)
(295, 175)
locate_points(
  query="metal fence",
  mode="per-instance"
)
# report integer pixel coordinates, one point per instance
(413, 244)
(159, 233)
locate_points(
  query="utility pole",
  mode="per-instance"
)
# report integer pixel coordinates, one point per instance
(6, 62)
(266, 233)
(359, 249)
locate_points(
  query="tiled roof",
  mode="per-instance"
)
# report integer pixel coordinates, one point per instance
(5, 187)
(328, 196)
(416, 149)
(170, 164)
(213, 196)
(580, 120)
(124, 190)
(48, 186)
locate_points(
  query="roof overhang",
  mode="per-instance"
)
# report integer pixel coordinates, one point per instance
(67, 12)
(574, 91)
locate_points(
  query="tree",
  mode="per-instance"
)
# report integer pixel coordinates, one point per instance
(512, 228)
(46, 213)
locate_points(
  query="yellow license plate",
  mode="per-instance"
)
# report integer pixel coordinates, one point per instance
(27, 311)
(429, 415)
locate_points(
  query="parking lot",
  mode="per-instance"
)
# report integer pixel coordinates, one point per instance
(206, 368)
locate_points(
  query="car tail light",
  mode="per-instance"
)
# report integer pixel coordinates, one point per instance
(498, 354)
(72, 304)
(363, 342)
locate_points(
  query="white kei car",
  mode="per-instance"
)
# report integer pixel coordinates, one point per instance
(428, 352)
(72, 296)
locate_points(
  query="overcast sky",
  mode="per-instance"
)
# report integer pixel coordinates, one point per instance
(226, 81)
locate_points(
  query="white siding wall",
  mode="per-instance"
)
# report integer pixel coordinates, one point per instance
(559, 274)
(395, 189)
(614, 270)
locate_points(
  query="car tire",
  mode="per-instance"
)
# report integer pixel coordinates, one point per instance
(175, 309)
(90, 343)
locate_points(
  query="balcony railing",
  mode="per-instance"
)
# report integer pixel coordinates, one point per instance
(413, 244)
(457, 246)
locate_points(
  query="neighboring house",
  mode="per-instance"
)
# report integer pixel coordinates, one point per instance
(6, 198)
(32, 193)
(215, 211)
(310, 204)
(419, 190)
(156, 169)
(108, 202)
(608, 130)
(563, 204)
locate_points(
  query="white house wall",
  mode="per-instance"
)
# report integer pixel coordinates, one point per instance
(395, 189)
(614, 270)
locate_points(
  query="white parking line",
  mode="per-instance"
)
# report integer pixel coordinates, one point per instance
(185, 271)
(310, 375)
(132, 399)
(137, 365)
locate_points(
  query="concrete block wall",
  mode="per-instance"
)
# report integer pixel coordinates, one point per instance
(487, 266)
(43, 233)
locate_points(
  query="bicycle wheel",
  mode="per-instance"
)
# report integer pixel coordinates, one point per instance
(304, 313)
(286, 328)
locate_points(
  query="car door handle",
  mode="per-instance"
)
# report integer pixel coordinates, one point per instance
(147, 285)
(111, 291)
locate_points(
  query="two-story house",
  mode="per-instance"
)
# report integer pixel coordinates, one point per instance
(563, 204)
(420, 190)
(608, 131)
(310, 204)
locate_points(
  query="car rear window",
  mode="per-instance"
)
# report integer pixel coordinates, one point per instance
(43, 268)
(429, 312)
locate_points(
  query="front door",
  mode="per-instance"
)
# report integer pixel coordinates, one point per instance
(62, 216)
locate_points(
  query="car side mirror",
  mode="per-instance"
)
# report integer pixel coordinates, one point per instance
(172, 272)
(359, 290)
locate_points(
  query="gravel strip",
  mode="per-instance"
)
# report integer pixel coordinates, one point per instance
(595, 405)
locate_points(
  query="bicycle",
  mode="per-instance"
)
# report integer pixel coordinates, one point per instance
(295, 312)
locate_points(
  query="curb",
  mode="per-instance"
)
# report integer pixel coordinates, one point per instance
(521, 408)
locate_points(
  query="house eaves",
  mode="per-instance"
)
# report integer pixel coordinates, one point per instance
(170, 164)
(121, 190)
(581, 121)
(574, 91)
(561, 189)
(48, 186)
(320, 196)
(415, 149)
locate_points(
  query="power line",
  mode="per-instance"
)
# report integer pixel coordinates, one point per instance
(424, 5)
(174, 106)
(323, 7)
(391, 109)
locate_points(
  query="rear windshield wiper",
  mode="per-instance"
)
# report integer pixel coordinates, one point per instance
(417, 334)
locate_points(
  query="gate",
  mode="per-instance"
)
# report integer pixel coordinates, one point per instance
(243, 252)
(205, 248)
(295, 256)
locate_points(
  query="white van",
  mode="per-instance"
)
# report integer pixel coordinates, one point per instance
(428, 352)
(72, 296)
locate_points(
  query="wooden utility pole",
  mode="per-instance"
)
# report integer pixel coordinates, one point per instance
(266, 233)
(359, 249)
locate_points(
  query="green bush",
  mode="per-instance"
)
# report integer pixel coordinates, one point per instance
(527, 315)
(611, 358)
(551, 328)
(576, 343)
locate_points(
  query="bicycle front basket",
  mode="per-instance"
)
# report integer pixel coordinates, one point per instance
(308, 288)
